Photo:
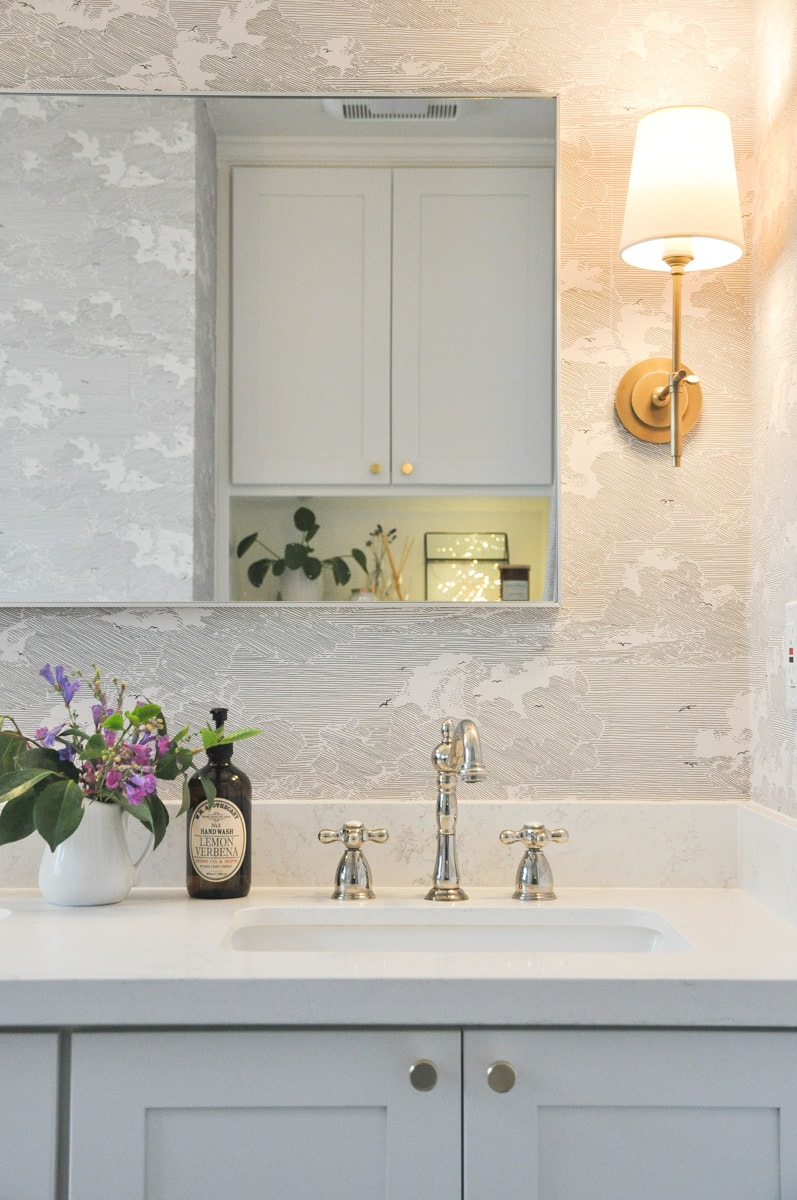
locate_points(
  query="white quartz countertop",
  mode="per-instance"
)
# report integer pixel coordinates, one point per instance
(162, 959)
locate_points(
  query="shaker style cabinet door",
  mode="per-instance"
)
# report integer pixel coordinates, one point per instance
(630, 1115)
(473, 325)
(29, 1107)
(310, 325)
(265, 1116)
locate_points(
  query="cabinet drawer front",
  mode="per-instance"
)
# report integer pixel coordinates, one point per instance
(271, 1116)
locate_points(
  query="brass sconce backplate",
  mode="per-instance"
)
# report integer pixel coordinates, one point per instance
(641, 411)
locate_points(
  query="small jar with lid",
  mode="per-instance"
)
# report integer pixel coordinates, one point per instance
(514, 582)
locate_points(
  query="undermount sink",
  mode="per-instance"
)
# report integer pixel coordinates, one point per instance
(440, 930)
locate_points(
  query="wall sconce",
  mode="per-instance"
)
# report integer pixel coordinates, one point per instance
(681, 214)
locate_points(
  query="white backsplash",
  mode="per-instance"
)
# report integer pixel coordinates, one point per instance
(667, 844)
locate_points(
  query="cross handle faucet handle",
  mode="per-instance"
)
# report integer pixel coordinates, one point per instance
(353, 834)
(533, 837)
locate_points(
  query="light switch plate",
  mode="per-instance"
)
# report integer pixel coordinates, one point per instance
(790, 653)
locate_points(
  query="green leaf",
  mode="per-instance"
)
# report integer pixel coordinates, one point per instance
(237, 734)
(115, 721)
(95, 747)
(16, 819)
(58, 811)
(359, 558)
(295, 555)
(312, 568)
(151, 812)
(209, 788)
(258, 571)
(245, 543)
(159, 817)
(304, 520)
(340, 570)
(186, 801)
(279, 567)
(11, 746)
(43, 758)
(144, 712)
(173, 763)
(168, 765)
(18, 783)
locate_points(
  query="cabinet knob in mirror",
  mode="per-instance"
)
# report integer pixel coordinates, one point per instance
(406, 468)
(501, 1076)
(376, 468)
(423, 1075)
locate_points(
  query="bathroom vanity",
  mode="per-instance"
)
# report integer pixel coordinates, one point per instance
(247, 1048)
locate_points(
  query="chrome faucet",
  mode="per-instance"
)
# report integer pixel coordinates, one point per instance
(458, 756)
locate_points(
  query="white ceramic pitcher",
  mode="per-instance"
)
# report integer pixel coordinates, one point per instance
(93, 865)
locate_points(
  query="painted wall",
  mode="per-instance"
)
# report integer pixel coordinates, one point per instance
(97, 363)
(774, 413)
(638, 687)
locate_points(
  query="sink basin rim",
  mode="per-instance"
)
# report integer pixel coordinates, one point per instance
(518, 931)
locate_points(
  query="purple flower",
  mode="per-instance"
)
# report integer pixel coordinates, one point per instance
(46, 737)
(61, 682)
(109, 737)
(112, 779)
(164, 744)
(66, 754)
(138, 787)
(141, 755)
(68, 689)
(99, 712)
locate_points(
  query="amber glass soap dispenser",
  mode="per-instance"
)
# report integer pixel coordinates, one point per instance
(219, 858)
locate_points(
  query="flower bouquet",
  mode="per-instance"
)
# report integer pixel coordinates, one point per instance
(115, 757)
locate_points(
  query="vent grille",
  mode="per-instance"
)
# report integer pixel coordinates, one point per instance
(398, 110)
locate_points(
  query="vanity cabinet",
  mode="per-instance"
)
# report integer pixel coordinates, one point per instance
(29, 1108)
(392, 326)
(283, 1116)
(701, 1115)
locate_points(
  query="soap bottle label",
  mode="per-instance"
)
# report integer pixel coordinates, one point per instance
(217, 839)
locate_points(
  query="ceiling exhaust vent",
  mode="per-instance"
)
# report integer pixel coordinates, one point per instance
(397, 109)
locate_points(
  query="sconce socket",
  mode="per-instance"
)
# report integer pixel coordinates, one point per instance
(643, 406)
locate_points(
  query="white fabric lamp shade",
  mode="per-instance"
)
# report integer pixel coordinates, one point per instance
(683, 196)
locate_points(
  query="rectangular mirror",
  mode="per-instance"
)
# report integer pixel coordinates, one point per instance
(217, 312)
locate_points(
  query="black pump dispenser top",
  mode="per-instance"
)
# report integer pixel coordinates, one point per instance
(219, 754)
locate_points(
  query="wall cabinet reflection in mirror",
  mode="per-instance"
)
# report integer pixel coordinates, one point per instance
(215, 310)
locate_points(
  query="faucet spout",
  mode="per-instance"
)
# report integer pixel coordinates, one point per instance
(458, 756)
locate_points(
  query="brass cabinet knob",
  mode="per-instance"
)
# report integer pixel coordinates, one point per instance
(406, 468)
(376, 468)
(501, 1076)
(423, 1075)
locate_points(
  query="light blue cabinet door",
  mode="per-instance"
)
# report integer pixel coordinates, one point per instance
(29, 1108)
(632, 1115)
(264, 1116)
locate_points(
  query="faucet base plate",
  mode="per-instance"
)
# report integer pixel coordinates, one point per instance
(441, 892)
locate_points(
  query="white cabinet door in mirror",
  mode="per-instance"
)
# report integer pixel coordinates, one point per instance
(441, 346)
(310, 324)
(473, 325)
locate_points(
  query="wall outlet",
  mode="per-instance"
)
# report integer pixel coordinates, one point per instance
(790, 653)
